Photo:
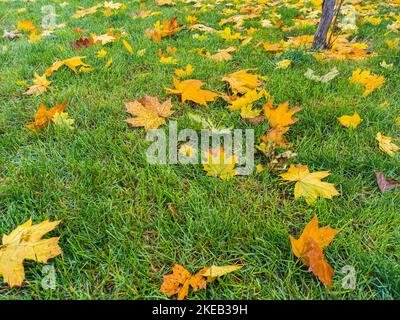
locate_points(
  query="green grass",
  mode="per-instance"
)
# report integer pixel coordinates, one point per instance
(118, 232)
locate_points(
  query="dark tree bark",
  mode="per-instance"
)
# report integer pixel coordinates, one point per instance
(328, 10)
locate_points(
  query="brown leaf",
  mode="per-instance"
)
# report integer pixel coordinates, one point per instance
(385, 184)
(83, 42)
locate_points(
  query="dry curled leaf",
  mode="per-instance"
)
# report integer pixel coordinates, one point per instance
(385, 184)
(26, 243)
(386, 145)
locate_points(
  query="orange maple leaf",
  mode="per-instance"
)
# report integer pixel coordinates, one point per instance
(149, 112)
(166, 28)
(44, 116)
(180, 280)
(309, 248)
(191, 90)
(281, 116)
(276, 136)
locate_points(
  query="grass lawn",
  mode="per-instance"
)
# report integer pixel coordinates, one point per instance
(126, 223)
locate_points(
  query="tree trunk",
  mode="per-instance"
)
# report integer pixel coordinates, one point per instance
(328, 8)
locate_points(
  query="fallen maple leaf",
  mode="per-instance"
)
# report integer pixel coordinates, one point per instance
(368, 80)
(276, 136)
(184, 72)
(26, 25)
(181, 280)
(350, 121)
(191, 90)
(44, 116)
(248, 112)
(164, 29)
(40, 85)
(26, 243)
(237, 103)
(74, 63)
(242, 81)
(386, 145)
(280, 116)
(149, 112)
(104, 38)
(309, 184)
(222, 55)
(385, 184)
(84, 12)
(82, 42)
(218, 164)
(227, 35)
(309, 248)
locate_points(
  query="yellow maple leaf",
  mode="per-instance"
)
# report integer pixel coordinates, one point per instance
(386, 144)
(184, 72)
(281, 116)
(62, 120)
(273, 47)
(103, 39)
(242, 81)
(350, 121)
(191, 90)
(102, 53)
(40, 85)
(248, 112)
(74, 63)
(309, 184)
(84, 12)
(368, 80)
(35, 36)
(26, 243)
(218, 164)
(222, 55)
(227, 34)
(149, 112)
(248, 98)
(55, 66)
(44, 116)
(309, 248)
